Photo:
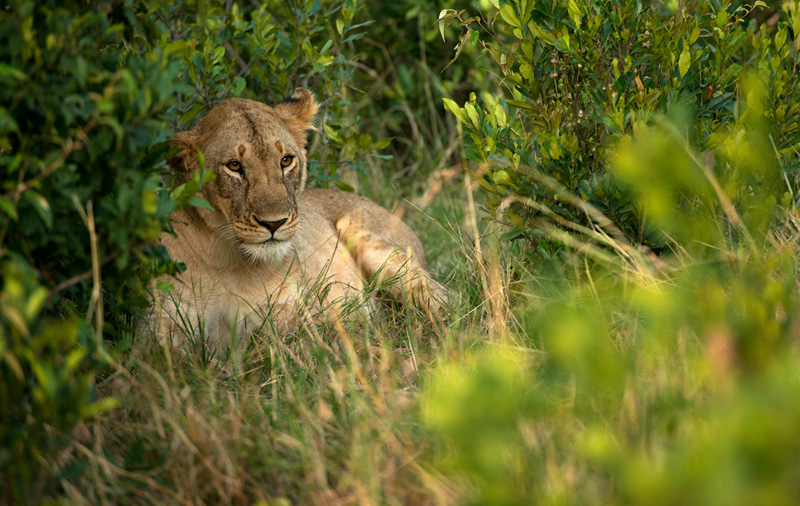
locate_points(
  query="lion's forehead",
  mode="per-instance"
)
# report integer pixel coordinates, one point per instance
(258, 132)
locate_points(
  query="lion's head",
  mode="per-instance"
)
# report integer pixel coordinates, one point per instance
(258, 155)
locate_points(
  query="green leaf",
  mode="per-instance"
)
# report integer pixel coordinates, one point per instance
(238, 86)
(502, 177)
(694, 35)
(191, 114)
(541, 33)
(325, 60)
(453, 108)
(684, 62)
(71, 362)
(42, 207)
(382, 143)
(198, 202)
(9, 74)
(8, 207)
(509, 16)
(364, 141)
(520, 104)
(344, 186)
(442, 18)
(500, 116)
(100, 407)
(35, 302)
(333, 136)
(574, 12)
(722, 18)
(473, 115)
(179, 47)
(165, 286)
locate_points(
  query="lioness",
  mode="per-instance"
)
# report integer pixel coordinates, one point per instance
(267, 239)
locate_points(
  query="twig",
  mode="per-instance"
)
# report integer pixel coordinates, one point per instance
(279, 69)
(79, 278)
(96, 301)
(297, 45)
(235, 54)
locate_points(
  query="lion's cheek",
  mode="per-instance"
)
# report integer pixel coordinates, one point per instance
(225, 198)
(294, 179)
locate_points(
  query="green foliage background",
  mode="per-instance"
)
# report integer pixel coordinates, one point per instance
(626, 327)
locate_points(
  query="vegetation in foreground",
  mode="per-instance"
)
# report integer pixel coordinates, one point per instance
(610, 186)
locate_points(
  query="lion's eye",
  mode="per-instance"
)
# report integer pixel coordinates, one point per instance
(286, 161)
(234, 165)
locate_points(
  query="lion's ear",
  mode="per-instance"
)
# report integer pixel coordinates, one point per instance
(298, 111)
(186, 159)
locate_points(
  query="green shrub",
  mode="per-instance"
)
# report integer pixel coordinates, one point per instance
(83, 132)
(664, 380)
(46, 387)
(580, 77)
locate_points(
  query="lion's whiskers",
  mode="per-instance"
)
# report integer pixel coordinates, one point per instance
(224, 232)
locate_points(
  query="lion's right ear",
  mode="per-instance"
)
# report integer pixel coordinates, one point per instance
(185, 160)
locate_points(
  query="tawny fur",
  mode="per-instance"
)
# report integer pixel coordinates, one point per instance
(238, 269)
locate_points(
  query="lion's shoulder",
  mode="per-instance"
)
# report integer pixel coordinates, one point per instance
(356, 216)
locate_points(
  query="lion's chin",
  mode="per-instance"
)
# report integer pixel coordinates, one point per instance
(267, 252)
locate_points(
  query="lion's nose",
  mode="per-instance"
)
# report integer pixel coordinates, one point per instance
(272, 226)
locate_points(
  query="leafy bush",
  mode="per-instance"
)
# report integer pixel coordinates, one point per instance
(81, 110)
(82, 135)
(580, 77)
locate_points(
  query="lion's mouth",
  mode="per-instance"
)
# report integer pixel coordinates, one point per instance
(268, 250)
(258, 241)
(269, 243)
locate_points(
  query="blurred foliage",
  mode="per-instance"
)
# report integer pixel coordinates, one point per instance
(578, 78)
(46, 387)
(633, 391)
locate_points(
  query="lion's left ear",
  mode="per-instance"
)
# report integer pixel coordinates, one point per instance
(298, 111)
(185, 160)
